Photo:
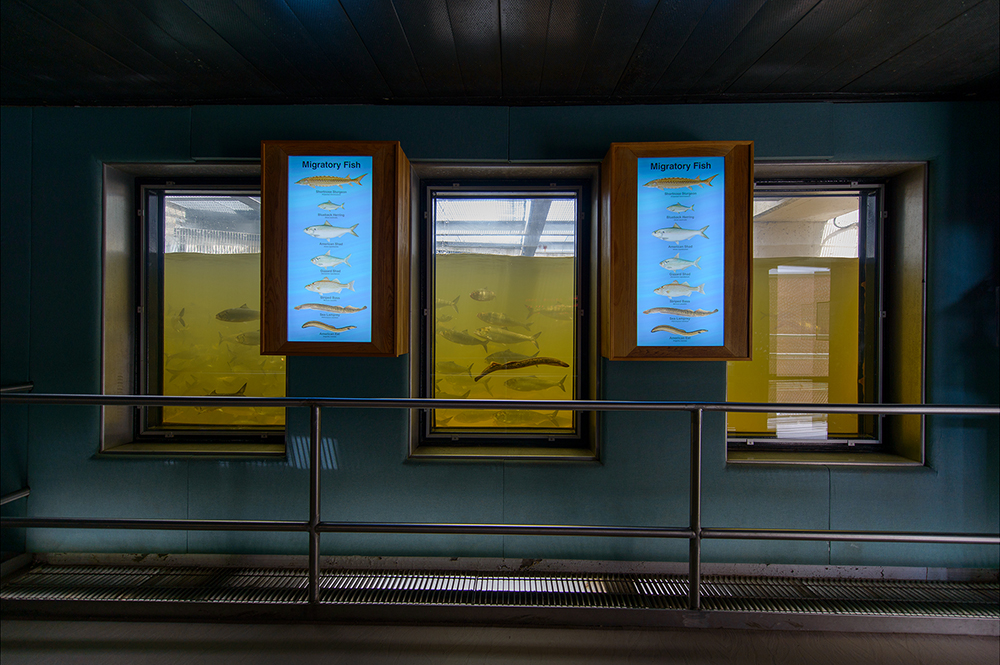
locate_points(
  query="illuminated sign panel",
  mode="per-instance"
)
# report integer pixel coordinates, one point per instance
(329, 248)
(680, 251)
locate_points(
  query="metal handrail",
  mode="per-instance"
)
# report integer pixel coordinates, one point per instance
(314, 526)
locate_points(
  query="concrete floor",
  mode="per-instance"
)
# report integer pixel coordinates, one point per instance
(190, 643)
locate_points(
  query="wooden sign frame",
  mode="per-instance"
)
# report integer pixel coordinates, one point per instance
(619, 215)
(390, 249)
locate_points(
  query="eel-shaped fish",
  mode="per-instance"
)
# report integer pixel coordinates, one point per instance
(326, 326)
(518, 364)
(679, 312)
(678, 331)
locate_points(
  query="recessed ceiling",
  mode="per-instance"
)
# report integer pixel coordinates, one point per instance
(181, 52)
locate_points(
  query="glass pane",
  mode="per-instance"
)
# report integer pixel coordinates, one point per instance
(505, 315)
(806, 317)
(211, 322)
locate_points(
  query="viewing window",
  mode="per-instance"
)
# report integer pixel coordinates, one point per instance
(503, 285)
(816, 318)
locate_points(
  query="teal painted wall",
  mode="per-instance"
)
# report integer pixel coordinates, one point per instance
(53, 305)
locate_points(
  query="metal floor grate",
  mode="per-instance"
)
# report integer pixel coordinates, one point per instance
(283, 586)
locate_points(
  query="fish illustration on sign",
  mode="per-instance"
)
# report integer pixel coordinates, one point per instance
(496, 318)
(677, 263)
(327, 261)
(330, 205)
(238, 314)
(676, 234)
(680, 183)
(677, 331)
(462, 337)
(501, 336)
(336, 309)
(679, 312)
(677, 207)
(482, 295)
(326, 326)
(330, 181)
(328, 231)
(533, 383)
(677, 290)
(326, 285)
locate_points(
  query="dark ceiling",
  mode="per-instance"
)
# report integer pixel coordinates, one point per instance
(181, 52)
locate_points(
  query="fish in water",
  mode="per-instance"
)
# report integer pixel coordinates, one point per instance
(501, 336)
(482, 295)
(440, 394)
(678, 331)
(676, 234)
(518, 364)
(249, 338)
(240, 314)
(447, 303)
(336, 309)
(533, 383)
(507, 356)
(451, 368)
(327, 261)
(445, 318)
(332, 181)
(677, 290)
(330, 205)
(558, 312)
(239, 393)
(462, 337)
(177, 322)
(326, 326)
(326, 285)
(466, 416)
(677, 207)
(496, 318)
(525, 418)
(679, 312)
(680, 183)
(327, 231)
(677, 263)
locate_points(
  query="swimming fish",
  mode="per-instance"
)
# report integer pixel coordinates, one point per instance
(559, 312)
(678, 331)
(518, 364)
(239, 393)
(482, 295)
(499, 319)
(332, 180)
(326, 285)
(237, 314)
(250, 338)
(444, 318)
(462, 337)
(325, 326)
(524, 418)
(327, 261)
(336, 309)
(440, 394)
(501, 336)
(328, 230)
(676, 234)
(680, 183)
(177, 322)
(679, 312)
(466, 416)
(677, 207)
(507, 356)
(445, 303)
(676, 290)
(330, 205)
(451, 368)
(532, 383)
(676, 263)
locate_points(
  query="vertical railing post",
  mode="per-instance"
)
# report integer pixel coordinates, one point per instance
(314, 472)
(694, 545)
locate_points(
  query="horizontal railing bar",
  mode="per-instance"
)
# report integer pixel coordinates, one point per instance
(14, 496)
(536, 405)
(853, 536)
(161, 524)
(18, 388)
(505, 529)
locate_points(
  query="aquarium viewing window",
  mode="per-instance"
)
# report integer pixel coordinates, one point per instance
(335, 248)
(675, 250)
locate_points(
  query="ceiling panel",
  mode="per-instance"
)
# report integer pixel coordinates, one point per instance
(621, 26)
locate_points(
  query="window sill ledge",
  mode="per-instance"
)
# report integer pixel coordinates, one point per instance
(203, 449)
(820, 459)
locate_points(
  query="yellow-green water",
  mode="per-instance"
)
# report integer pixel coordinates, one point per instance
(517, 282)
(202, 354)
